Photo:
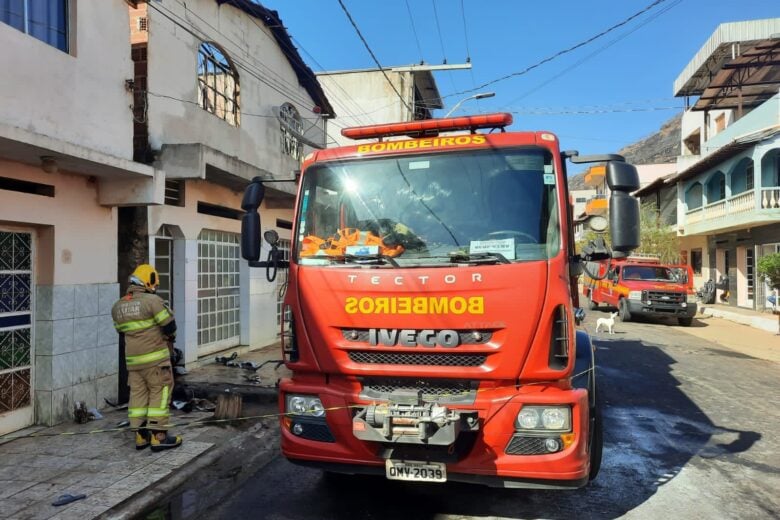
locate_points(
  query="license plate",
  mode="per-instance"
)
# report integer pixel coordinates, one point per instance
(415, 471)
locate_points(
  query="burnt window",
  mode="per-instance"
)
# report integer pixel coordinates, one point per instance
(218, 87)
(291, 126)
(696, 257)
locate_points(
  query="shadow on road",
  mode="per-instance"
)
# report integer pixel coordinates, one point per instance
(652, 431)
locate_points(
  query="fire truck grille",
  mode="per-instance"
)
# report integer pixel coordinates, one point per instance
(665, 297)
(522, 445)
(465, 337)
(407, 358)
(440, 390)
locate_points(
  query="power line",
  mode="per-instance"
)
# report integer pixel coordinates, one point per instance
(559, 53)
(251, 70)
(536, 112)
(365, 43)
(347, 97)
(414, 31)
(594, 53)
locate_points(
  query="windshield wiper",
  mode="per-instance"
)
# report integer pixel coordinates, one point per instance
(377, 259)
(478, 258)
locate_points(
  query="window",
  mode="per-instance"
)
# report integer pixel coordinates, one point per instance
(174, 192)
(46, 20)
(218, 90)
(696, 260)
(581, 200)
(720, 123)
(291, 126)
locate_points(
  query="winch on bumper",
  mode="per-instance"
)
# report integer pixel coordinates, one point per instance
(407, 419)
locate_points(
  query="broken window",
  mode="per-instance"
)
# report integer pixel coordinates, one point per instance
(291, 126)
(218, 88)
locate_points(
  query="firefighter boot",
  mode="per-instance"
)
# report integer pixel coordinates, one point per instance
(162, 441)
(143, 438)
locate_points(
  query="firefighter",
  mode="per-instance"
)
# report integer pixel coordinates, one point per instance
(149, 330)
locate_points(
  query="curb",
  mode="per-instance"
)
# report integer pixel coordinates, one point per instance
(249, 393)
(767, 324)
(157, 492)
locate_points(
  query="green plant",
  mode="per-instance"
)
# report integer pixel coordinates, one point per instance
(769, 268)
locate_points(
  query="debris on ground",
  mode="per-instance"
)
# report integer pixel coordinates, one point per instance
(67, 498)
(225, 359)
(200, 405)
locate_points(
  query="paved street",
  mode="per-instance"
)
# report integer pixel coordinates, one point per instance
(689, 434)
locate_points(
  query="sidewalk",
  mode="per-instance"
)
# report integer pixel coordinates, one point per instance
(41, 464)
(759, 320)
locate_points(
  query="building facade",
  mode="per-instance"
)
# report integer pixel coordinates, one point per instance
(131, 149)
(65, 168)
(728, 185)
(221, 96)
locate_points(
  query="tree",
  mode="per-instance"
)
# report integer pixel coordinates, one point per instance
(655, 238)
(769, 269)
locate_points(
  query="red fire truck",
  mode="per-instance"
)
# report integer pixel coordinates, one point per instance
(640, 285)
(431, 306)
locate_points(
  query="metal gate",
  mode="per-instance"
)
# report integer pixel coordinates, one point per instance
(16, 260)
(219, 305)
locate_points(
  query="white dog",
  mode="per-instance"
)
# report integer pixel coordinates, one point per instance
(607, 322)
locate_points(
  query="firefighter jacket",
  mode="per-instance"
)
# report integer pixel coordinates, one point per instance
(148, 326)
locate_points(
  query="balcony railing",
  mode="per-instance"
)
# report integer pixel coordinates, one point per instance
(770, 198)
(742, 203)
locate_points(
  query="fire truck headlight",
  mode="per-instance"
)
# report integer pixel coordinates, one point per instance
(544, 418)
(305, 405)
(635, 295)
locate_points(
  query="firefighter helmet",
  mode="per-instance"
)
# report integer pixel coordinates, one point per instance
(145, 276)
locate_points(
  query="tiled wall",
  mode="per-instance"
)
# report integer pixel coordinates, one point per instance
(76, 349)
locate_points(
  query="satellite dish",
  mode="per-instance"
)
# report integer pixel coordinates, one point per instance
(294, 131)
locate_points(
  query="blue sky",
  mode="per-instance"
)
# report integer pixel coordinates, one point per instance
(626, 77)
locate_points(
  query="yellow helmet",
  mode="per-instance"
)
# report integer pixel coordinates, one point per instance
(145, 276)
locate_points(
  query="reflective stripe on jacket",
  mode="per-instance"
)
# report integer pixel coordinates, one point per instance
(140, 316)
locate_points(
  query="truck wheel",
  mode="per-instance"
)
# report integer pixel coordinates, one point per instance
(686, 321)
(623, 312)
(596, 441)
(592, 306)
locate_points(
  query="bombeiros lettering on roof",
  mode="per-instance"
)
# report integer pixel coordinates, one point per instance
(417, 144)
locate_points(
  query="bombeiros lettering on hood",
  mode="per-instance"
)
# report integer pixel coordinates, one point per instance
(474, 305)
(416, 144)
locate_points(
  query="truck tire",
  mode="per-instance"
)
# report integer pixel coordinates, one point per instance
(592, 306)
(685, 321)
(623, 313)
(596, 442)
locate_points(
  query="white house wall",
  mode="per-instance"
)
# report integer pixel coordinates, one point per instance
(172, 72)
(77, 97)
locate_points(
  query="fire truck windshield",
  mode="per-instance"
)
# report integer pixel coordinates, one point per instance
(422, 209)
(642, 272)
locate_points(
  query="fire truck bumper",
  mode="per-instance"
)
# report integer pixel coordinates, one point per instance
(493, 452)
(677, 310)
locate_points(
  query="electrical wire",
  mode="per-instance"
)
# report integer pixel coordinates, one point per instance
(594, 53)
(347, 98)
(255, 72)
(373, 56)
(561, 52)
(414, 31)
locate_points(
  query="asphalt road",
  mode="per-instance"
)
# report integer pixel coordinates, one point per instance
(690, 432)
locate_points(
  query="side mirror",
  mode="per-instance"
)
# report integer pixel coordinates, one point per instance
(622, 179)
(250, 222)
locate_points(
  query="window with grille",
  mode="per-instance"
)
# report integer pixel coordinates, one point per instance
(46, 20)
(218, 87)
(163, 263)
(281, 281)
(291, 126)
(174, 192)
(218, 288)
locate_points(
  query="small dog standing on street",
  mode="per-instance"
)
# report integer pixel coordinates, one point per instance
(607, 322)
